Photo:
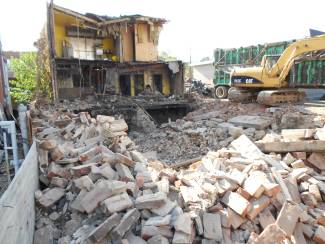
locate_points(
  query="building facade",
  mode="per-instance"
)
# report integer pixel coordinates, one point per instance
(108, 55)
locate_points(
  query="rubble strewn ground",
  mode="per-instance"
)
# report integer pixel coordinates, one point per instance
(209, 128)
(98, 188)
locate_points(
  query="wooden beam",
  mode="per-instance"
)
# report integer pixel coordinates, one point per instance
(296, 146)
(17, 204)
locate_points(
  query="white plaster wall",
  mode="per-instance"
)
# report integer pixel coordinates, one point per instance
(204, 73)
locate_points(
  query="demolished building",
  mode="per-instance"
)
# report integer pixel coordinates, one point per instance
(108, 55)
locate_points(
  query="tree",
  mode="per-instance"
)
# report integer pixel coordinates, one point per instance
(43, 79)
(32, 71)
(164, 56)
(205, 59)
(22, 90)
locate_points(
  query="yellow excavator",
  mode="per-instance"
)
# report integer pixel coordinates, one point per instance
(270, 81)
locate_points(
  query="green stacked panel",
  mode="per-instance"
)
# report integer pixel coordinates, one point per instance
(308, 73)
(251, 55)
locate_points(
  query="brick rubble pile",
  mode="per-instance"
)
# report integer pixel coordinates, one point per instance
(97, 188)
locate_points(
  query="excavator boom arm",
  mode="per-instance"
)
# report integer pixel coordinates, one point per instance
(283, 65)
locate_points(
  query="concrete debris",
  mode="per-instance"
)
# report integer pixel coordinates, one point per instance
(104, 190)
(256, 122)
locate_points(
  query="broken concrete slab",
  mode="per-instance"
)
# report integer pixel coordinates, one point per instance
(151, 201)
(126, 223)
(248, 121)
(149, 231)
(50, 196)
(258, 205)
(265, 218)
(288, 217)
(124, 172)
(212, 226)
(118, 203)
(184, 223)
(236, 202)
(319, 236)
(104, 228)
(158, 239)
(271, 234)
(158, 220)
(102, 190)
(247, 148)
(317, 160)
(165, 209)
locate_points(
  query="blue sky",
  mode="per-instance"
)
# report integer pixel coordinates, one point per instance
(195, 27)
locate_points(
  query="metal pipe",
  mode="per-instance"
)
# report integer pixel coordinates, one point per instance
(22, 109)
(11, 129)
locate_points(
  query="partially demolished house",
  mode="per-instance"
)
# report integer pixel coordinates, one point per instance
(108, 55)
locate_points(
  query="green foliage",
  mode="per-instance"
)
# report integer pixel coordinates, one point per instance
(44, 88)
(22, 90)
(205, 59)
(164, 56)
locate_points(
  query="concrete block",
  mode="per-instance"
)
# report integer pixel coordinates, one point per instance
(184, 223)
(151, 201)
(158, 239)
(271, 234)
(266, 218)
(50, 197)
(128, 220)
(149, 231)
(84, 182)
(124, 172)
(247, 121)
(165, 209)
(288, 217)
(319, 236)
(104, 228)
(102, 190)
(118, 203)
(236, 202)
(212, 226)
(158, 220)
(317, 159)
(59, 182)
(257, 206)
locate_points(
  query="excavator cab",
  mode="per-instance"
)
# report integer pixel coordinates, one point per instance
(268, 61)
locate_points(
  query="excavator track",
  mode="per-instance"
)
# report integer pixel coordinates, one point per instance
(267, 97)
(241, 95)
(275, 97)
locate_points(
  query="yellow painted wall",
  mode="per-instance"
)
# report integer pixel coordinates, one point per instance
(109, 44)
(132, 85)
(166, 83)
(61, 20)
